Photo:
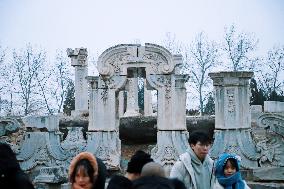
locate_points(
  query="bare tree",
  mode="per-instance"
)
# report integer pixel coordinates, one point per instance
(62, 74)
(237, 47)
(272, 79)
(202, 57)
(28, 64)
(172, 44)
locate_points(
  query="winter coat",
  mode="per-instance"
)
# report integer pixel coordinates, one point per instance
(219, 186)
(184, 171)
(219, 170)
(11, 175)
(99, 167)
(15, 180)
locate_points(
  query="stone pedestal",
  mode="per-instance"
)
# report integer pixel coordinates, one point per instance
(79, 61)
(170, 144)
(233, 118)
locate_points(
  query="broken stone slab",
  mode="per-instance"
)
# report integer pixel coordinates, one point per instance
(260, 185)
(268, 174)
(50, 123)
(57, 174)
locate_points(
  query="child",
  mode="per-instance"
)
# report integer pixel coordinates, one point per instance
(87, 172)
(228, 173)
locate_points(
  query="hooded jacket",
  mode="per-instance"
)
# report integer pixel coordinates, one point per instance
(100, 171)
(219, 169)
(184, 171)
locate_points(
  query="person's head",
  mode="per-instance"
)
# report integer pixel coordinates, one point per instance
(119, 182)
(227, 165)
(137, 161)
(200, 143)
(153, 169)
(153, 182)
(83, 170)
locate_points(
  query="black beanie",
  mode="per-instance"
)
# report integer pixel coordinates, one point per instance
(137, 161)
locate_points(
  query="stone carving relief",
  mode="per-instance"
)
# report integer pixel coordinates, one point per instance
(74, 142)
(11, 132)
(231, 100)
(271, 144)
(170, 145)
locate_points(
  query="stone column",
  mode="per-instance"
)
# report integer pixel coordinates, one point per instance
(79, 61)
(171, 119)
(102, 136)
(148, 108)
(232, 117)
(132, 108)
(121, 103)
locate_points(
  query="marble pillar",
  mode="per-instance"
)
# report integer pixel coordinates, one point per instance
(132, 108)
(232, 117)
(148, 108)
(79, 62)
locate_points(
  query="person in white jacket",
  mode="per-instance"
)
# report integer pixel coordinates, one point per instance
(227, 172)
(194, 167)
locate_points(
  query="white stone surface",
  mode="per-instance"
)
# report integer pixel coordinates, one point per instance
(148, 108)
(232, 97)
(132, 108)
(79, 61)
(273, 106)
(51, 122)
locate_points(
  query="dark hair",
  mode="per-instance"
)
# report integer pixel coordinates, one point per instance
(233, 162)
(153, 182)
(137, 161)
(119, 182)
(177, 183)
(8, 160)
(84, 163)
(199, 136)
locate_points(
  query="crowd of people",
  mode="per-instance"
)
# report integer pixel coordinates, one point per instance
(194, 170)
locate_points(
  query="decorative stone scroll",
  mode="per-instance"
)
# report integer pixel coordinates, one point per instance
(271, 144)
(107, 146)
(170, 145)
(156, 59)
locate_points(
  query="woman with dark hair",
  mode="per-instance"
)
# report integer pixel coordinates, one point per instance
(87, 172)
(11, 175)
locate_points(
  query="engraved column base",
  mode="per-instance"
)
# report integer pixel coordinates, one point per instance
(170, 144)
(237, 141)
(131, 113)
(107, 146)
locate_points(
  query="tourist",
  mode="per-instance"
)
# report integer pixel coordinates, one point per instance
(194, 167)
(11, 175)
(119, 182)
(153, 182)
(153, 169)
(136, 163)
(228, 174)
(87, 172)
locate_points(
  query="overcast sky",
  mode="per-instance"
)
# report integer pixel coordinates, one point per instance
(98, 25)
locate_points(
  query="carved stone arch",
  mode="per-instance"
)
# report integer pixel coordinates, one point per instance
(156, 59)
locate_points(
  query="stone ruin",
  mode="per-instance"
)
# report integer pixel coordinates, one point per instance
(45, 152)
